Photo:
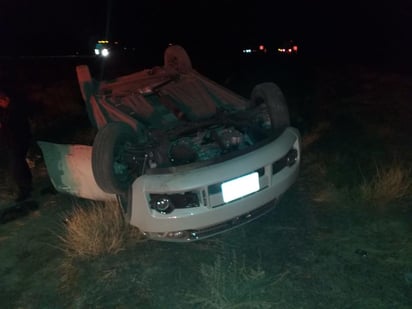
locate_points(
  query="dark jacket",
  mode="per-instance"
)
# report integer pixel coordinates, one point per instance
(15, 128)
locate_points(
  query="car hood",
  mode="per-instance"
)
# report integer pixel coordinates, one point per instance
(70, 170)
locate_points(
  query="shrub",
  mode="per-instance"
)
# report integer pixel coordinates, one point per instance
(230, 284)
(389, 184)
(95, 230)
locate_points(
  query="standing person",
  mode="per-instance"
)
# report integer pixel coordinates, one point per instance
(15, 139)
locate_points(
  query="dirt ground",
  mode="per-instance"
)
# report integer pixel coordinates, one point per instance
(322, 247)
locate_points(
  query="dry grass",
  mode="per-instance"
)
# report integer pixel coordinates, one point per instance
(389, 184)
(231, 284)
(326, 194)
(96, 230)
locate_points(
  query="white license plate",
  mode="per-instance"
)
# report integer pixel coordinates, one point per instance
(239, 187)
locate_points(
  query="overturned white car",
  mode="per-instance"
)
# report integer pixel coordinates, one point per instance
(185, 157)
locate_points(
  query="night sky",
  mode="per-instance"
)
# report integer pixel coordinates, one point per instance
(367, 28)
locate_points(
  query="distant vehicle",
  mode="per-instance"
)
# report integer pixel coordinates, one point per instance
(185, 157)
(102, 48)
(288, 48)
(260, 49)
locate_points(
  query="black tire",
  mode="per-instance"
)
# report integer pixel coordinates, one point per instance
(112, 172)
(273, 99)
(176, 58)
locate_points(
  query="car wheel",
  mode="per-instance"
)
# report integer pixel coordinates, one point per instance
(112, 164)
(176, 57)
(273, 101)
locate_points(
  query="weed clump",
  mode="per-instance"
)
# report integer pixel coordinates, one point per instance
(95, 230)
(389, 184)
(231, 284)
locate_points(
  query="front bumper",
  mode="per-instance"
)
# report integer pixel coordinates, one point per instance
(213, 215)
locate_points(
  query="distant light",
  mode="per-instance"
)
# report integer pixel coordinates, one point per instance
(247, 51)
(97, 51)
(261, 47)
(105, 52)
(295, 48)
(289, 50)
(103, 42)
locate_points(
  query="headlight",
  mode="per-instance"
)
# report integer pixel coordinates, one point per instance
(105, 52)
(288, 160)
(166, 203)
(292, 157)
(163, 204)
